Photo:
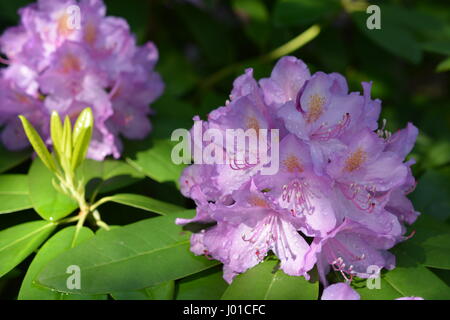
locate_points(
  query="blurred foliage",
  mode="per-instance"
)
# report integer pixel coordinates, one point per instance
(205, 44)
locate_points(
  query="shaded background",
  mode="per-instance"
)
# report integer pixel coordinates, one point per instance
(205, 44)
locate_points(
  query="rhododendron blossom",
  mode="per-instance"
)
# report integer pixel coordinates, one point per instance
(67, 55)
(340, 291)
(339, 198)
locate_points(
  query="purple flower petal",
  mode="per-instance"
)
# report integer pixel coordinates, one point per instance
(340, 291)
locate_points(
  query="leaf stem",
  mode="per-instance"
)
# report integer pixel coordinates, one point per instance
(82, 217)
(95, 193)
(94, 206)
(103, 225)
(99, 221)
(302, 39)
(69, 220)
(306, 36)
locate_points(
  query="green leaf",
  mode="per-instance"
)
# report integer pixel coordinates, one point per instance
(56, 132)
(205, 285)
(162, 291)
(432, 195)
(444, 275)
(111, 227)
(9, 159)
(17, 242)
(430, 245)
(263, 282)
(255, 16)
(214, 38)
(47, 201)
(82, 134)
(253, 8)
(443, 65)
(413, 279)
(431, 224)
(14, 193)
(178, 74)
(171, 114)
(393, 37)
(429, 26)
(437, 154)
(156, 162)
(108, 175)
(56, 245)
(442, 47)
(38, 144)
(385, 292)
(144, 203)
(135, 256)
(302, 12)
(67, 142)
(437, 251)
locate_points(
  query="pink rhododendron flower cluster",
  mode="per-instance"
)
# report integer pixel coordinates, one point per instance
(67, 55)
(339, 199)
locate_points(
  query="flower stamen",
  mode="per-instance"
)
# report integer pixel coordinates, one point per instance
(326, 132)
(297, 197)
